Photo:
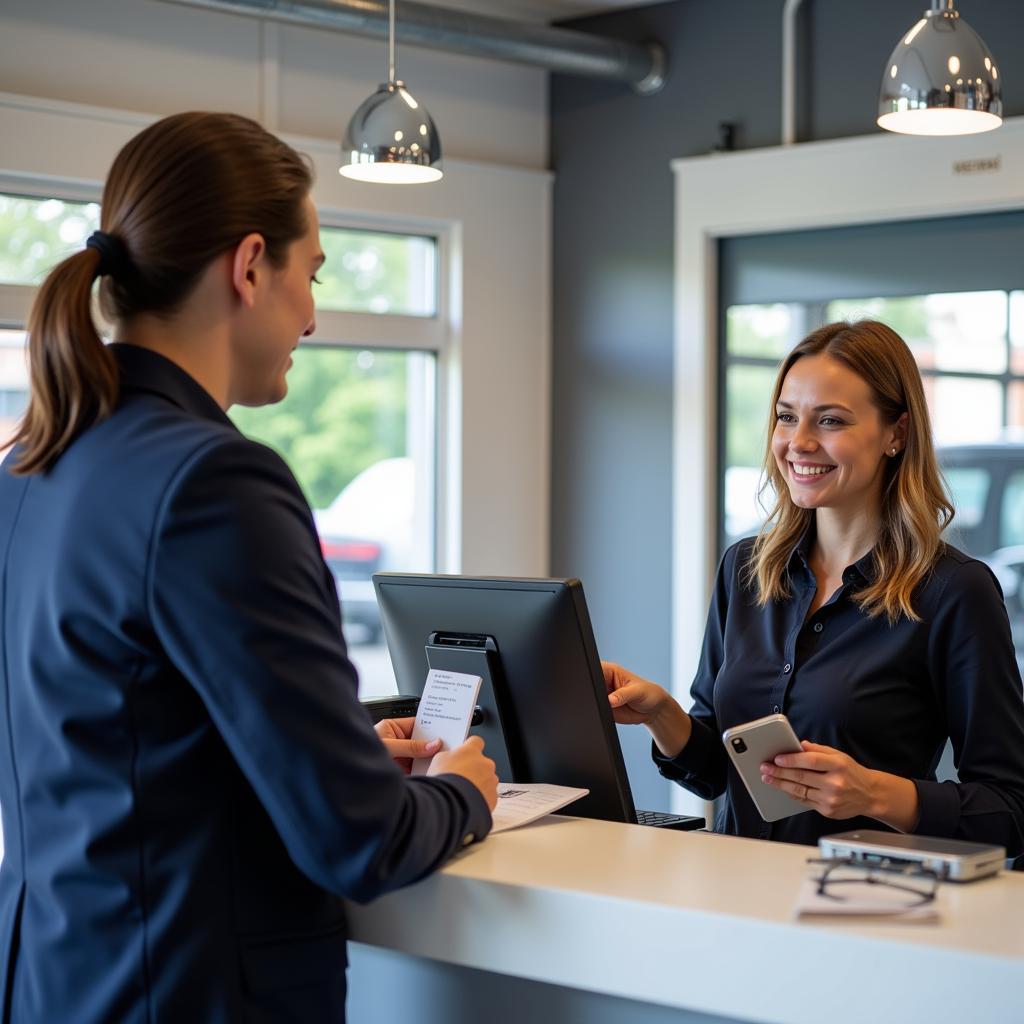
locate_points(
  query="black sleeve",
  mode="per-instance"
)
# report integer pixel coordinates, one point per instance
(701, 765)
(246, 610)
(974, 670)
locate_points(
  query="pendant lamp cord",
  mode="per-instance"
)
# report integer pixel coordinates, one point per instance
(391, 40)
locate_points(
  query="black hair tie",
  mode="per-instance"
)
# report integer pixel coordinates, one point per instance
(114, 258)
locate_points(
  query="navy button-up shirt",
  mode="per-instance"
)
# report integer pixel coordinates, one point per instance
(887, 695)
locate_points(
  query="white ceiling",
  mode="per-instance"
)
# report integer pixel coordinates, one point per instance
(538, 10)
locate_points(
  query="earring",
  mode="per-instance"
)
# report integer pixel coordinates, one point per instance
(893, 453)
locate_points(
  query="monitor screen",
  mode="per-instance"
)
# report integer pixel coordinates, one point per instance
(546, 716)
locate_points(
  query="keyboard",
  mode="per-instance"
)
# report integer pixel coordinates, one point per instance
(679, 822)
(391, 707)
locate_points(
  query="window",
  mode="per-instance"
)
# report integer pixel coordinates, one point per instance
(359, 425)
(756, 339)
(13, 384)
(969, 488)
(37, 233)
(358, 430)
(1011, 524)
(960, 343)
(369, 272)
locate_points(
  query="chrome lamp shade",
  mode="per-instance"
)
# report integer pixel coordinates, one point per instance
(391, 139)
(941, 79)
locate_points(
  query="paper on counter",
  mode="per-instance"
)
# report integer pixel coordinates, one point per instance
(861, 900)
(519, 803)
(445, 711)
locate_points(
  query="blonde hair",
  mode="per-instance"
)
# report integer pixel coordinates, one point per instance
(915, 505)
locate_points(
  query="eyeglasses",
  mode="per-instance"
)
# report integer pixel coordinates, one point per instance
(844, 879)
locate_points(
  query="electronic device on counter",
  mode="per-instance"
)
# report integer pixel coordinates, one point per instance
(754, 743)
(545, 716)
(951, 859)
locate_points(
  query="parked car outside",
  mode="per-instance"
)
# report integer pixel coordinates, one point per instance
(987, 485)
(367, 528)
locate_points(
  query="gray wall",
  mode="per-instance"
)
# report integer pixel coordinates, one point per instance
(612, 359)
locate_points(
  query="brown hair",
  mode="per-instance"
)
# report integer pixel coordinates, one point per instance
(179, 194)
(915, 505)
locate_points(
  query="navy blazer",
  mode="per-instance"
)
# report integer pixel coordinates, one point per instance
(188, 782)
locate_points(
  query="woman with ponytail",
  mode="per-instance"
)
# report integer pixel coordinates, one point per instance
(851, 615)
(189, 785)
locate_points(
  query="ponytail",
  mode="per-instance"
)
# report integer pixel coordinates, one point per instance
(73, 377)
(179, 194)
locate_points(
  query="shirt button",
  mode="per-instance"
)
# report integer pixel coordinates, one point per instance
(818, 627)
(787, 668)
(468, 838)
(775, 708)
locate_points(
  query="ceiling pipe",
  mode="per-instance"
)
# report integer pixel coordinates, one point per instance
(789, 27)
(556, 49)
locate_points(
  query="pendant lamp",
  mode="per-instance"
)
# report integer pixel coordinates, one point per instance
(391, 138)
(941, 79)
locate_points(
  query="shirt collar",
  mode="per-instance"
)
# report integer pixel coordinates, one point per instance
(862, 571)
(142, 369)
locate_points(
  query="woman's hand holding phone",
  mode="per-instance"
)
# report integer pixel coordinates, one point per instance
(836, 786)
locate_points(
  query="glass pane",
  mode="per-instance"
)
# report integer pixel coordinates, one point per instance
(37, 233)
(377, 273)
(964, 409)
(969, 487)
(1011, 523)
(357, 429)
(1017, 332)
(769, 331)
(13, 384)
(956, 331)
(1015, 410)
(747, 391)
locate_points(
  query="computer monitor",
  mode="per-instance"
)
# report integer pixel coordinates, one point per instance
(546, 716)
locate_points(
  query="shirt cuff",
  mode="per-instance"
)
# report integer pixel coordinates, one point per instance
(478, 819)
(939, 805)
(697, 760)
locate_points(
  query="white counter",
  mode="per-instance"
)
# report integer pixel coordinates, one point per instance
(693, 921)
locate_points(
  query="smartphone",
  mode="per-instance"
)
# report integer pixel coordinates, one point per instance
(752, 744)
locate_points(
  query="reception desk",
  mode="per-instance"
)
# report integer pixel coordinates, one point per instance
(589, 921)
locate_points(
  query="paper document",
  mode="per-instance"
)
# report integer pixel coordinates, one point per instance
(519, 803)
(445, 711)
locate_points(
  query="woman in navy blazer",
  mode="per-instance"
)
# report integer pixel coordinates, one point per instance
(189, 785)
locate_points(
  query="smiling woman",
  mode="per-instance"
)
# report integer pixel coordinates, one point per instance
(849, 431)
(851, 616)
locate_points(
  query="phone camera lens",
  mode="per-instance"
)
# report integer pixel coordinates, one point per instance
(738, 745)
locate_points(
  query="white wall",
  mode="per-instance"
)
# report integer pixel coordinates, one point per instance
(157, 58)
(81, 78)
